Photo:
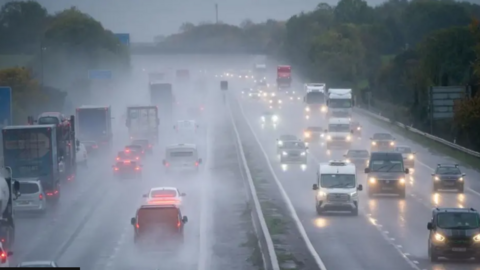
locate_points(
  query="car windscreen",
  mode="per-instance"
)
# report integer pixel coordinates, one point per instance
(294, 145)
(29, 188)
(358, 153)
(403, 150)
(158, 215)
(287, 137)
(450, 220)
(48, 120)
(338, 127)
(181, 154)
(382, 136)
(337, 180)
(448, 170)
(163, 193)
(134, 147)
(386, 166)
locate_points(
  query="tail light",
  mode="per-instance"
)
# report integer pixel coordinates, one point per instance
(149, 146)
(137, 168)
(118, 158)
(137, 158)
(49, 193)
(3, 256)
(116, 169)
(196, 163)
(127, 150)
(143, 152)
(40, 197)
(167, 164)
(137, 226)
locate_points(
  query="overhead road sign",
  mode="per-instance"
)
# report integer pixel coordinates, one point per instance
(124, 38)
(5, 106)
(442, 100)
(100, 75)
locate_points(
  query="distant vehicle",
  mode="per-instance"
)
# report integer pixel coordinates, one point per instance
(128, 155)
(448, 176)
(408, 155)
(164, 195)
(186, 129)
(144, 143)
(158, 223)
(94, 124)
(39, 264)
(315, 99)
(284, 138)
(245, 74)
(33, 198)
(339, 103)
(143, 122)
(284, 76)
(4, 257)
(127, 169)
(386, 174)
(336, 188)
(313, 134)
(275, 103)
(359, 157)
(382, 142)
(338, 133)
(260, 74)
(135, 148)
(82, 155)
(453, 234)
(252, 93)
(181, 156)
(356, 127)
(294, 152)
(161, 95)
(269, 118)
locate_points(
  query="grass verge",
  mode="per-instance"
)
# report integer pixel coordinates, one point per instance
(465, 159)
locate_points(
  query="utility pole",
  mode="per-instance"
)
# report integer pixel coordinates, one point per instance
(216, 13)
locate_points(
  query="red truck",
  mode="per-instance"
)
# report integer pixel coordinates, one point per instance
(284, 76)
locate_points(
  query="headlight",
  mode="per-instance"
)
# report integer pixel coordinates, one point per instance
(347, 160)
(274, 118)
(392, 143)
(280, 101)
(322, 194)
(439, 237)
(271, 101)
(307, 109)
(307, 134)
(284, 153)
(263, 119)
(329, 137)
(302, 154)
(374, 143)
(280, 143)
(410, 157)
(476, 238)
(250, 94)
(323, 109)
(349, 138)
(436, 178)
(402, 181)
(372, 180)
(273, 94)
(460, 179)
(265, 94)
(359, 128)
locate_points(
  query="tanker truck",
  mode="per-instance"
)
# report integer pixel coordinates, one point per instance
(9, 191)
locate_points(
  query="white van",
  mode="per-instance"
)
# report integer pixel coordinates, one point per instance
(182, 156)
(336, 187)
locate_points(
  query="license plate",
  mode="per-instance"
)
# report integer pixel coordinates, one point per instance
(459, 249)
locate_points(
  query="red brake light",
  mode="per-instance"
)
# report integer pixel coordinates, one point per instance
(40, 196)
(116, 169)
(179, 224)
(118, 158)
(127, 150)
(126, 162)
(167, 164)
(196, 163)
(136, 225)
(137, 168)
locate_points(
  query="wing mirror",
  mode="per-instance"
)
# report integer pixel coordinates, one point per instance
(145, 195)
(133, 221)
(407, 171)
(367, 170)
(77, 143)
(315, 187)
(200, 161)
(360, 187)
(429, 226)
(185, 219)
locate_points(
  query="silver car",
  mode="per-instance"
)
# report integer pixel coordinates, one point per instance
(32, 197)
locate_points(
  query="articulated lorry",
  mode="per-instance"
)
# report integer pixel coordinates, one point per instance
(315, 100)
(32, 153)
(161, 95)
(339, 103)
(65, 141)
(94, 127)
(143, 123)
(9, 191)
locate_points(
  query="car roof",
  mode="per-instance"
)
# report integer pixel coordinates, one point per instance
(182, 146)
(163, 188)
(347, 168)
(314, 127)
(287, 136)
(132, 145)
(353, 149)
(450, 165)
(339, 121)
(30, 263)
(149, 206)
(382, 133)
(453, 210)
(403, 146)
(141, 139)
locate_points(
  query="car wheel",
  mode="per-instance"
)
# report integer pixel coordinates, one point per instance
(319, 210)
(433, 256)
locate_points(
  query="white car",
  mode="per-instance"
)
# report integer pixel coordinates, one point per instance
(4, 255)
(164, 195)
(82, 155)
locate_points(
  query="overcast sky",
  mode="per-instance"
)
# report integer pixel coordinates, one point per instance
(144, 19)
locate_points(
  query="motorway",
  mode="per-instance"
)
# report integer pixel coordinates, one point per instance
(389, 233)
(90, 227)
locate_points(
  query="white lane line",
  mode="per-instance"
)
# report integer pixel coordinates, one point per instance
(293, 213)
(116, 249)
(204, 254)
(253, 190)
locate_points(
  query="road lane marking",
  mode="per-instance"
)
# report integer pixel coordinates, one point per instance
(287, 200)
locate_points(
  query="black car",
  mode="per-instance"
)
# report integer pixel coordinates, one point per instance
(158, 223)
(454, 234)
(382, 142)
(448, 176)
(127, 169)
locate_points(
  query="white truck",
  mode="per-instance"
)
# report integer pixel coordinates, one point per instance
(339, 103)
(143, 123)
(315, 99)
(338, 133)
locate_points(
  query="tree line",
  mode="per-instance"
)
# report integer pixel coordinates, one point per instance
(45, 57)
(392, 52)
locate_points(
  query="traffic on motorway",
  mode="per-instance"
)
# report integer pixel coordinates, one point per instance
(417, 209)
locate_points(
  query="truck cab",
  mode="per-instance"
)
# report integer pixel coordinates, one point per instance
(336, 187)
(315, 99)
(338, 133)
(339, 103)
